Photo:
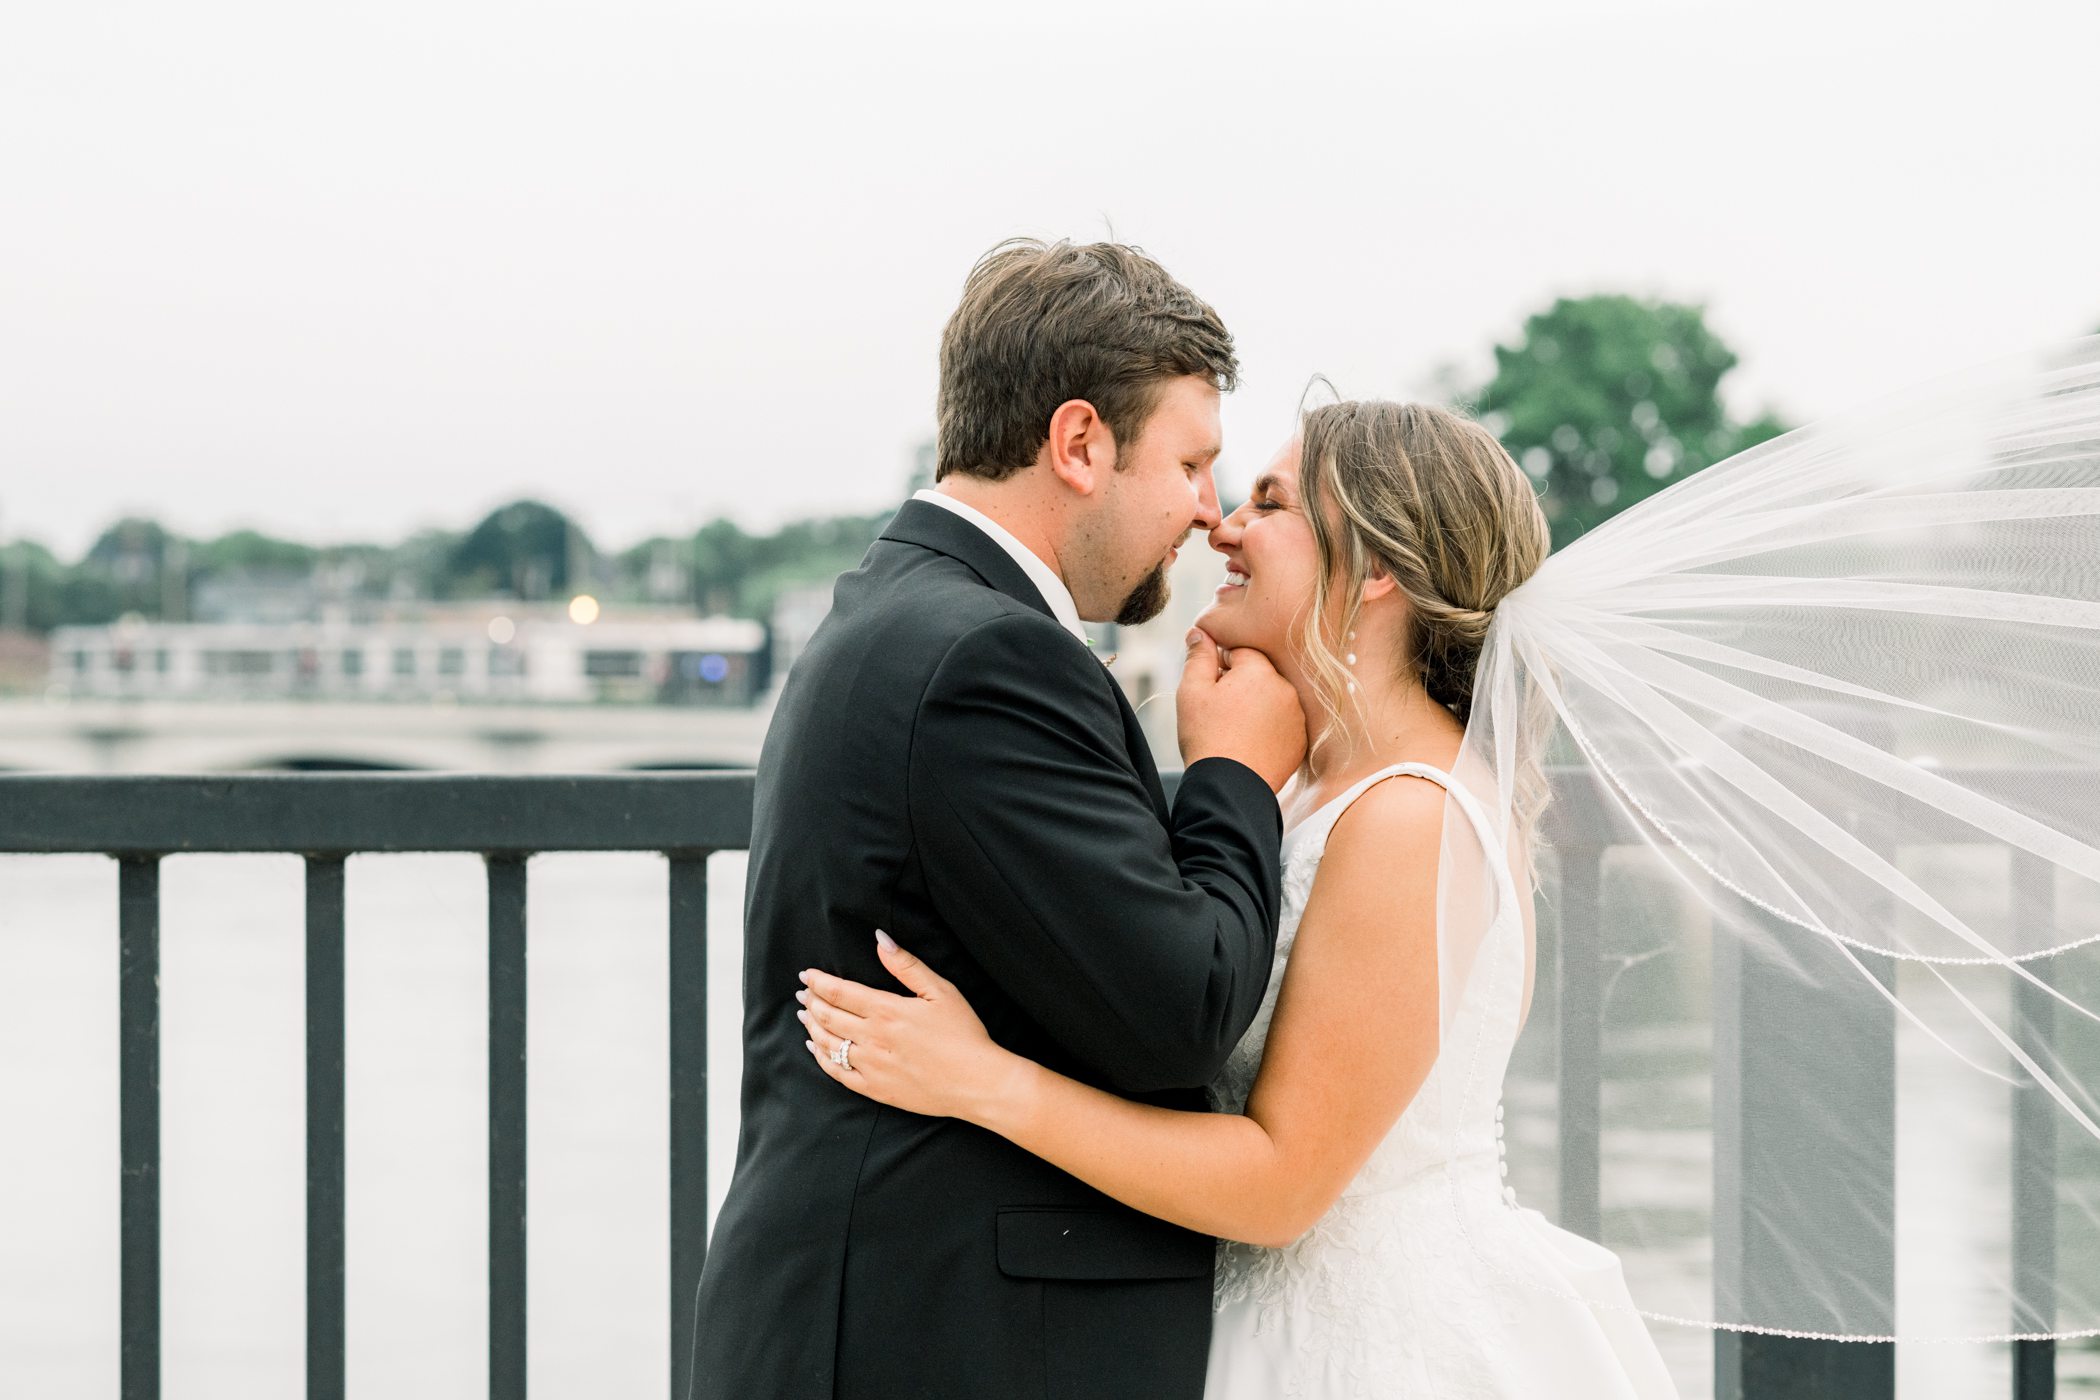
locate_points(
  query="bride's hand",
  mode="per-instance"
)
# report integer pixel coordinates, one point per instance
(924, 1053)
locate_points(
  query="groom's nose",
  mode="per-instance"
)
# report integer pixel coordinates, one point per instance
(1208, 516)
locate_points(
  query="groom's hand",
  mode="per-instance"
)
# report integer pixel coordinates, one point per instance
(1239, 708)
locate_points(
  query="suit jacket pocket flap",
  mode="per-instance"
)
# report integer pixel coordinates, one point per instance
(1056, 1243)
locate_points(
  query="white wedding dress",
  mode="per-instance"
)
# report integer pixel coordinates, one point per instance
(1425, 1279)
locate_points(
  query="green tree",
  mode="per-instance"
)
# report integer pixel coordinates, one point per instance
(527, 549)
(418, 567)
(255, 552)
(1608, 399)
(731, 572)
(807, 552)
(34, 586)
(127, 569)
(722, 557)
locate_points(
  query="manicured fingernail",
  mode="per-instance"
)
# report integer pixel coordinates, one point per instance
(887, 943)
(803, 1017)
(810, 1045)
(1195, 635)
(803, 976)
(802, 997)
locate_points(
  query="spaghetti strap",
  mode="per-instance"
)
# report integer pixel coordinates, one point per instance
(1483, 830)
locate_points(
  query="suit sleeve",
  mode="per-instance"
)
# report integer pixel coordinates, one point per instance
(1144, 951)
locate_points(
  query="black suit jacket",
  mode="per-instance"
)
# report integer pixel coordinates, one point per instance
(950, 764)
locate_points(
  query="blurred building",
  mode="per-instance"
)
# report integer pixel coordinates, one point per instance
(25, 660)
(491, 652)
(273, 596)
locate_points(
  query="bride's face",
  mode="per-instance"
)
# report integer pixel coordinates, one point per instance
(1271, 563)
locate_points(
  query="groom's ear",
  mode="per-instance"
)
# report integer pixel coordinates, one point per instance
(1081, 450)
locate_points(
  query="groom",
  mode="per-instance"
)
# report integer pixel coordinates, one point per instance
(951, 764)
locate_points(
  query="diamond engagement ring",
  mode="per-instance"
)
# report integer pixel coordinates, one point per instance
(840, 1056)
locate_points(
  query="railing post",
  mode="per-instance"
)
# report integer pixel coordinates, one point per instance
(507, 1354)
(138, 1090)
(688, 996)
(325, 1258)
(2034, 1145)
(1830, 1083)
(1580, 1002)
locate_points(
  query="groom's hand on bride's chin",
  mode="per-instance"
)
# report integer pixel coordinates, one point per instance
(1235, 705)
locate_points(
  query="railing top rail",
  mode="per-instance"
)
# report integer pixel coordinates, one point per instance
(340, 813)
(163, 814)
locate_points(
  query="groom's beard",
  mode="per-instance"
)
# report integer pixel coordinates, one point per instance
(1146, 601)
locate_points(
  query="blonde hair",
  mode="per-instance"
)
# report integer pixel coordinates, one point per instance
(1430, 498)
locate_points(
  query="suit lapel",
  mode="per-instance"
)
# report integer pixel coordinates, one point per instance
(945, 532)
(1140, 750)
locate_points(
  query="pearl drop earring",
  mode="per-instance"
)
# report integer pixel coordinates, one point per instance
(1352, 661)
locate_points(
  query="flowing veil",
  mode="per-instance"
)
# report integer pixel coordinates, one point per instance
(1806, 751)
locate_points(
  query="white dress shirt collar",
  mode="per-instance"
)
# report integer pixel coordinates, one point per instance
(1040, 574)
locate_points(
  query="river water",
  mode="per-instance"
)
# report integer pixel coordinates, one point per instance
(233, 1133)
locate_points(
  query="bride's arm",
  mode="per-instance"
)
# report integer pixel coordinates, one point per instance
(1353, 1037)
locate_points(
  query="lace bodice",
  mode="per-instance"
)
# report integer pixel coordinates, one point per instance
(1451, 1131)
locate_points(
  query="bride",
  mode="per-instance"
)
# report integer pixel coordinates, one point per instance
(1369, 1243)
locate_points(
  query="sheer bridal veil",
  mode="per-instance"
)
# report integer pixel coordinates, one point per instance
(1806, 750)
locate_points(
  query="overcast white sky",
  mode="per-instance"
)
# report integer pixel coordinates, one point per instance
(342, 272)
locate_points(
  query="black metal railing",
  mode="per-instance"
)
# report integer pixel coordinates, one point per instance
(1580, 831)
(327, 817)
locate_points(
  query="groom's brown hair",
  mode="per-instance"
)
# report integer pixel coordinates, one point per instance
(1041, 324)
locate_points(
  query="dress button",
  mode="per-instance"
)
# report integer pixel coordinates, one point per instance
(1505, 1168)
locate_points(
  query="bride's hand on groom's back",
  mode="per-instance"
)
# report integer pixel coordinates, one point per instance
(1235, 705)
(924, 1052)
